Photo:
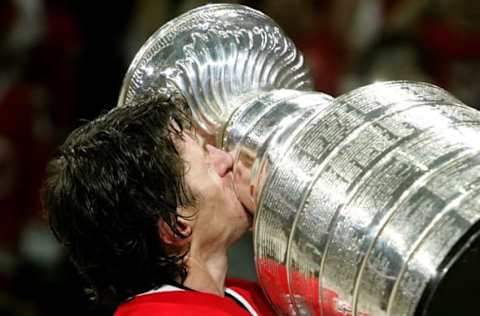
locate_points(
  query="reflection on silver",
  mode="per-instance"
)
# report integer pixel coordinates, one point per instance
(358, 199)
(217, 56)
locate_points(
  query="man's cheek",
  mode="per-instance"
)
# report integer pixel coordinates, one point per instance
(214, 178)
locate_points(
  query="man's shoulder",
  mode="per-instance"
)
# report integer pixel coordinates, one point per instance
(245, 287)
(178, 303)
(253, 293)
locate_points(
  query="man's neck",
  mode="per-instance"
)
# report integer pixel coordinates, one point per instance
(207, 274)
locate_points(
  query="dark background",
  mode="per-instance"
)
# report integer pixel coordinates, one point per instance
(62, 62)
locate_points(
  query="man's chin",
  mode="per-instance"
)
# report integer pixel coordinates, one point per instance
(249, 215)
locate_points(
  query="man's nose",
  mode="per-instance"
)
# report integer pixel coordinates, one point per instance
(221, 161)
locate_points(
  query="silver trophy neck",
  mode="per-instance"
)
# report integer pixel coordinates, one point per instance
(217, 56)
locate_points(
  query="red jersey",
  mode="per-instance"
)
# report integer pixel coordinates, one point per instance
(241, 298)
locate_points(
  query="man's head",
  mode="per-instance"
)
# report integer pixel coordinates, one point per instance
(130, 193)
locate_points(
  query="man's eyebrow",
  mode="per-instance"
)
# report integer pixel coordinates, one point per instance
(200, 141)
(196, 137)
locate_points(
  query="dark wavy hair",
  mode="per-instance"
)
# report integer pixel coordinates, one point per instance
(106, 189)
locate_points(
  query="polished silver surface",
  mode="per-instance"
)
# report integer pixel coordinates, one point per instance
(358, 200)
(216, 56)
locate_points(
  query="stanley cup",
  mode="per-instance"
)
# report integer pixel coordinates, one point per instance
(366, 204)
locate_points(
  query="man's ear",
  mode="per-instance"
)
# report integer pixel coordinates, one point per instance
(170, 239)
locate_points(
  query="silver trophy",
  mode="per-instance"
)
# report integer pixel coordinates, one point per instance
(365, 204)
